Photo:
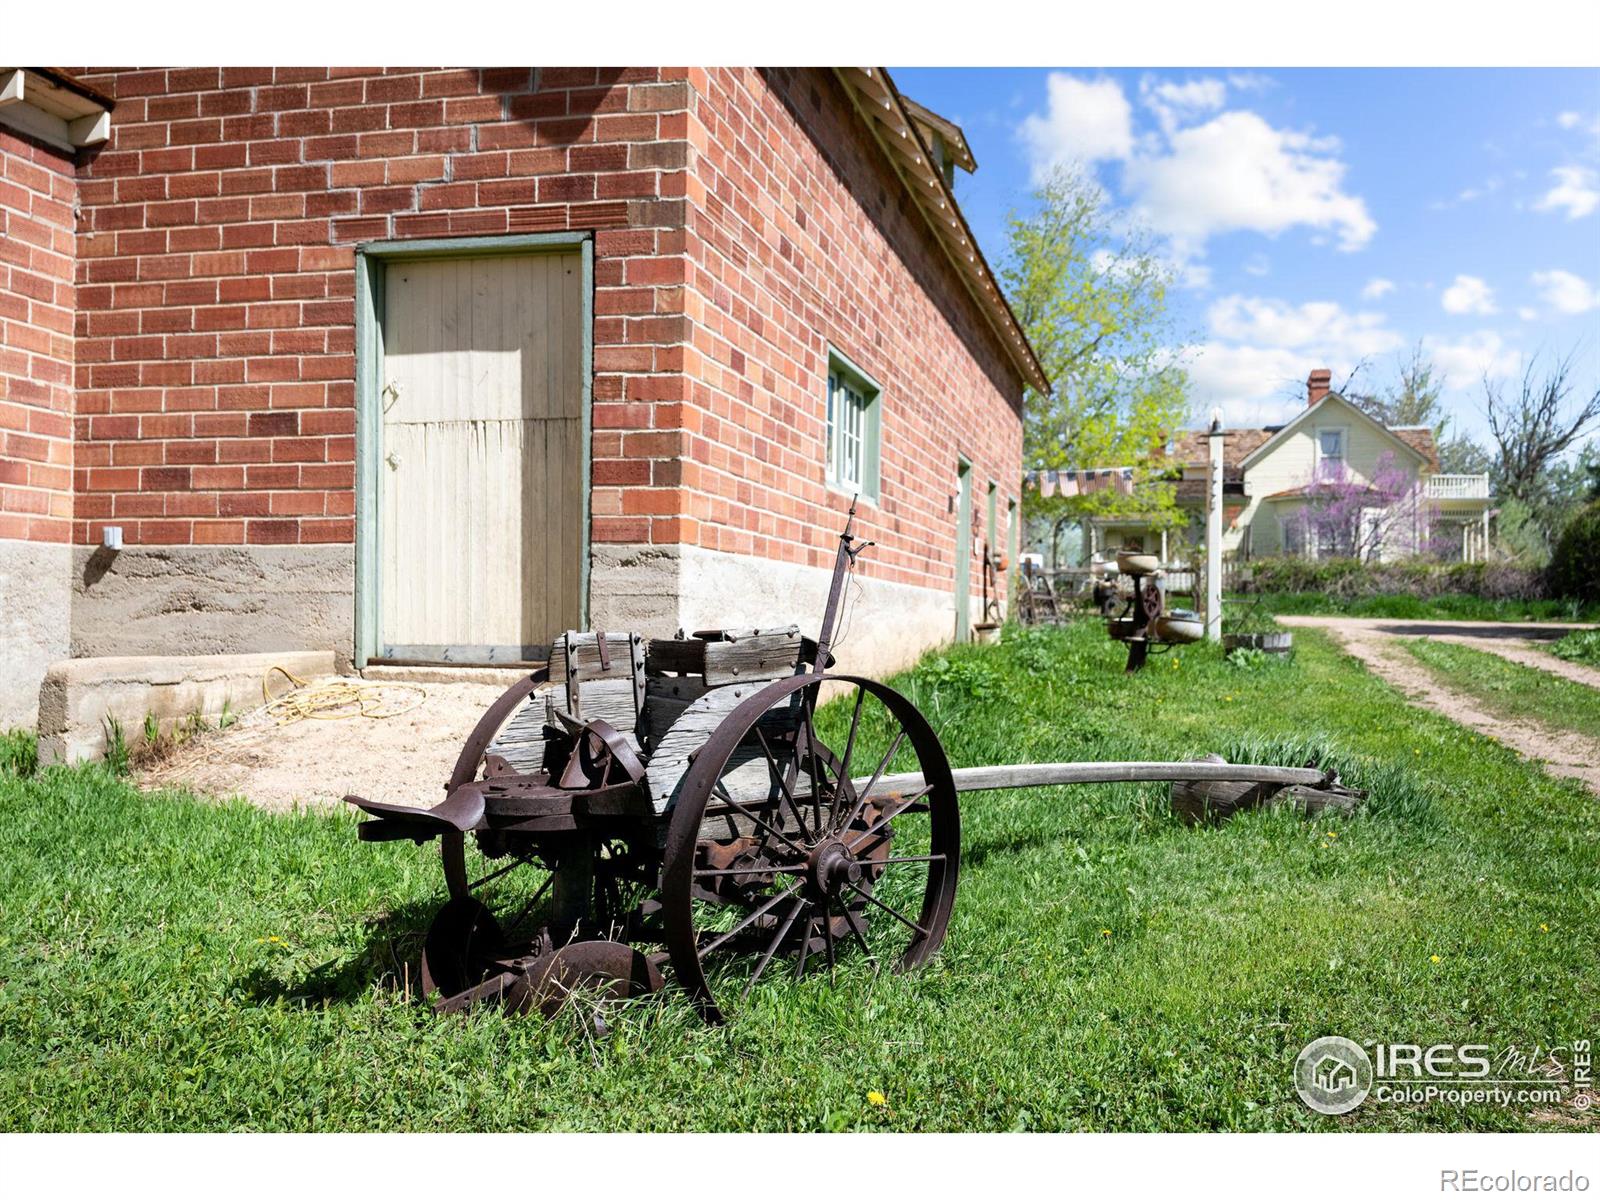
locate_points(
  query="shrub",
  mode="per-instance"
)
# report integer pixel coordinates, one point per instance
(962, 677)
(1582, 646)
(1248, 618)
(1576, 561)
(1351, 579)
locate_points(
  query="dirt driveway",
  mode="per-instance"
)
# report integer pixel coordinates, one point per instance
(1375, 641)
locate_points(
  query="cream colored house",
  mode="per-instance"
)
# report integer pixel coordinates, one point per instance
(1333, 481)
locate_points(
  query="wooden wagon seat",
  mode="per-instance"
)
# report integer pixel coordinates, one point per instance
(639, 687)
(643, 685)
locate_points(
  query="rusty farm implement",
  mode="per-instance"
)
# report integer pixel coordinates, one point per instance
(652, 806)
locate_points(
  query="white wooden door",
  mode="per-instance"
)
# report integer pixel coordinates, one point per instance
(481, 463)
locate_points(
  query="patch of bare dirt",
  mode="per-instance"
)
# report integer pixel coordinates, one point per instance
(403, 759)
(1375, 641)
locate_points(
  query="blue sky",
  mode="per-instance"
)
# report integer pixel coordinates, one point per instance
(1319, 217)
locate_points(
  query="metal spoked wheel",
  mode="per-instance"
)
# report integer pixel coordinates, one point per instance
(500, 893)
(791, 843)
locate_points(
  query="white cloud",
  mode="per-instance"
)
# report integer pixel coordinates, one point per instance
(1468, 294)
(1174, 102)
(1318, 325)
(1247, 382)
(1466, 360)
(1189, 181)
(1528, 314)
(1236, 172)
(1086, 120)
(1377, 289)
(1565, 293)
(1569, 120)
(1250, 81)
(1576, 192)
(1257, 264)
(1260, 350)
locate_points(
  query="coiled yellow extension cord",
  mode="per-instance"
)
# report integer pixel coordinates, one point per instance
(336, 701)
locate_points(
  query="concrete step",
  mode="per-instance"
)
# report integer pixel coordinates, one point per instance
(81, 697)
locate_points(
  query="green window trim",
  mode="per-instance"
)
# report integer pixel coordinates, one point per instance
(853, 420)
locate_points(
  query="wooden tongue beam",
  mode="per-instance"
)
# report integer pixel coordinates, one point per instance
(755, 790)
(984, 779)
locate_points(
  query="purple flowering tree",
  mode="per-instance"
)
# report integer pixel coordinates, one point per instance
(1351, 517)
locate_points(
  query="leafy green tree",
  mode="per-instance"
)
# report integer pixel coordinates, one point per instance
(1529, 527)
(1576, 553)
(1460, 455)
(1091, 295)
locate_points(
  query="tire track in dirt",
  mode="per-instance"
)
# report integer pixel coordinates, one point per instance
(1561, 752)
(1527, 654)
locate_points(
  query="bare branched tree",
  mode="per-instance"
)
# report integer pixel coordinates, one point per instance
(1535, 425)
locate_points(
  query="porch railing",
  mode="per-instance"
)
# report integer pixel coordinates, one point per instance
(1456, 487)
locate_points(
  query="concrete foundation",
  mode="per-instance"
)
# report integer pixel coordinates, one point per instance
(35, 615)
(81, 697)
(656, 590)
(191, 600)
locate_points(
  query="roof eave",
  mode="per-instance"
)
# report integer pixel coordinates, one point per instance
(1289, 425)
(883, 110)
(952, 133)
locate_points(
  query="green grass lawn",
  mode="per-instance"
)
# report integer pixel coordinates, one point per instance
(172, 964)
(1580, 646)
(1448, 607)
(1510, 689)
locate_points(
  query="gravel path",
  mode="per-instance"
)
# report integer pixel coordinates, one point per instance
(1375, 641)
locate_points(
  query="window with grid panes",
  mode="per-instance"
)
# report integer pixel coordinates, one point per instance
(852, 442)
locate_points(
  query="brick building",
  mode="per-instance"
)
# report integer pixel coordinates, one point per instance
(432, 364)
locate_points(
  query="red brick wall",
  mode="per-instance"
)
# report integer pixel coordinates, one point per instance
(36, 303)
(216, 313)
(801, 237)
(216, 360)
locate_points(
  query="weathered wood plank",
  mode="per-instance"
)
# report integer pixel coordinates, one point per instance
(665, 698)
(520, 740)
(759, 656)
(581, 651)
(675, 656)
(690, 731)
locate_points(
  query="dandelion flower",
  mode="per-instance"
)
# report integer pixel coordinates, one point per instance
(1105, 933)
(1435, 958)
(1543, 928)
(877, 1099)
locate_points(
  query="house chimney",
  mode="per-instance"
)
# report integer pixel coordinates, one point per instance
(1318, 384)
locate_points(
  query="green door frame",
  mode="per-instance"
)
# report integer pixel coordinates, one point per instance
(1013, 548)
(372, 258)
(963, 550)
